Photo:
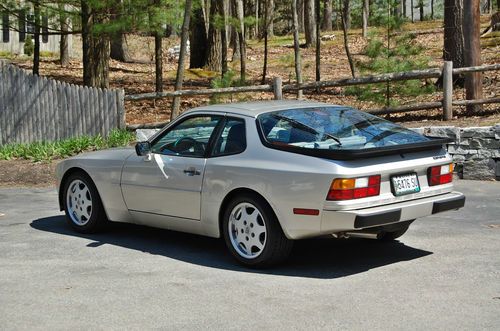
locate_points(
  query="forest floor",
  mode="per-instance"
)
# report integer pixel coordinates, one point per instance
(139, 76)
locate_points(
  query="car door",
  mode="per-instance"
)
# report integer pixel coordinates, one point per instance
(168, 182)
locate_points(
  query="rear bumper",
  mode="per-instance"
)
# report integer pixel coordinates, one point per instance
(336, 221)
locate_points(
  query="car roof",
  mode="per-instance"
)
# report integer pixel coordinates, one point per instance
(255, 108)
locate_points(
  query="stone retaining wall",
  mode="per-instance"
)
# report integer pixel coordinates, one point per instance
(475, 150)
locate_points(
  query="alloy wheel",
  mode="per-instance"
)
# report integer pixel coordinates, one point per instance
(247, 230)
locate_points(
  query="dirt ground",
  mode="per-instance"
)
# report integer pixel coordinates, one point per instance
(26, 173)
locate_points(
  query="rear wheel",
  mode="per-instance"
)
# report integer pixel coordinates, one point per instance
(392, 232)
(82, 204)
(252, 232)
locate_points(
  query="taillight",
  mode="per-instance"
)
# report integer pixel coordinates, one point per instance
(440, 174)
(354, 188)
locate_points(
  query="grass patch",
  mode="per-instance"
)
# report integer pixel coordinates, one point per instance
(47, 151)
(6, 55)
(48, 54)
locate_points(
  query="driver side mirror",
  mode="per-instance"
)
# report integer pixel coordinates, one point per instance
(143, 148)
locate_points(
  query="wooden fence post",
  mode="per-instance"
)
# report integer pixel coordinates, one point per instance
(278, 88)
(120, 107)
(447, 90)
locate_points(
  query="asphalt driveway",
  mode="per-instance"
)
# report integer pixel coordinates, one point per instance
(443, 274)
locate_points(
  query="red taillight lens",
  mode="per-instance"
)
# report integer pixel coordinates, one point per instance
(440, 175)
(354, 188)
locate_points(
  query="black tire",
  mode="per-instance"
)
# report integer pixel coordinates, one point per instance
(395, 231)
(97, 220)
(277, 246)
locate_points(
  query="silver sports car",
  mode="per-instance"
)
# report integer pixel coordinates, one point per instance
(264, 174)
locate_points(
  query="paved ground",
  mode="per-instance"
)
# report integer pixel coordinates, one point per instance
(444, 274)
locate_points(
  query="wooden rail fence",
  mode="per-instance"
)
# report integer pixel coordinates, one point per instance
(34, 108)
(278, 88)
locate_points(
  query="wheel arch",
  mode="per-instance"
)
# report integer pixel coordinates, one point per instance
(234, 193)
(64, 179)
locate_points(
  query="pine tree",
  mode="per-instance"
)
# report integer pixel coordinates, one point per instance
(395, 52)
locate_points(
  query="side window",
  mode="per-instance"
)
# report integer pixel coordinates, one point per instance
(22, 26)
(232, 139)
(188, 138)
(45, 29)
(5, 27)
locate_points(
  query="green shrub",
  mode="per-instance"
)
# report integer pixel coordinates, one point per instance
(46, 151)
(395, 52)
(221, 82)
(29, 47)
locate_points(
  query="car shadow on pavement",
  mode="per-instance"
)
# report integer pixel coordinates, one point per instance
(314, 258)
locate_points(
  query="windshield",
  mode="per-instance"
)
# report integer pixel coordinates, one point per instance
(333, 128)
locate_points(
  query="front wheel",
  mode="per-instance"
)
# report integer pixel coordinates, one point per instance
(252, 232)
(82, 204)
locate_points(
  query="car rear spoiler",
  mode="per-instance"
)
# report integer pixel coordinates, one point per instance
(354, 154)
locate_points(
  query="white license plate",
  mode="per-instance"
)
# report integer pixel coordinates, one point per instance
(405, 184)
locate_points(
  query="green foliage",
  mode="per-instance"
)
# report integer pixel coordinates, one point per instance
(227, 80)
(394, 52)
(29, 47)
(46, 151)
(287, 60)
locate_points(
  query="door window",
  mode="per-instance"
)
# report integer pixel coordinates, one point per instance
(232, 140)
(188, 138)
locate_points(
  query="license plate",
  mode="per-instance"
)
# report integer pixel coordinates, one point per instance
(405, 184)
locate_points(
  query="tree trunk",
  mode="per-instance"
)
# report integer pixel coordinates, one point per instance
(421, 10)
(266, 32)
(300, 14)
(119, 48)
(453, 48)
(472, 53)
(256, 18)
(309, 22)
(63, 44)
(344, 15)
(95, 47)
(296, 47)
(223, 34)
(36, 35)
(100, 59)
(366, 9)
(182, 55)
(326, 25)
(270, 16)
(158, 61)
(317, 10)
(432, 9)
(411, 7)
(241, 38)
(235, 44)
(197, 40)
(214, 50)
(87, 23)
(404, 8)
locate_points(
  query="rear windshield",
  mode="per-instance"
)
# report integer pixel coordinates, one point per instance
(334, 128)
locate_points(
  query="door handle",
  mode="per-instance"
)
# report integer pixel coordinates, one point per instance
(191, 171)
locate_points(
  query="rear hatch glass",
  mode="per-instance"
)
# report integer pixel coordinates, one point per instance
(338, 133)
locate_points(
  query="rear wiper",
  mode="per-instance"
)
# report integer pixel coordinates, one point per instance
(306, 127)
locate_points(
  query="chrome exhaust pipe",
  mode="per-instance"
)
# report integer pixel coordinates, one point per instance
(364, 235)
